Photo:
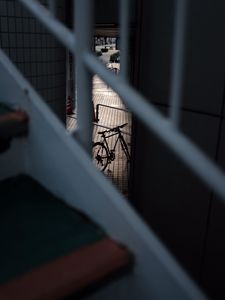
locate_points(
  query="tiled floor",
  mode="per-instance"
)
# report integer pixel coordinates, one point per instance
(110, 117)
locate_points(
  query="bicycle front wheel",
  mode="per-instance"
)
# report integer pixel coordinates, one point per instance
(100, 156)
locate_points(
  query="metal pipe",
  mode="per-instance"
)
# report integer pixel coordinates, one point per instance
(116, 108)
(83, 23)
(178, 61)
(124, 38)
(61, 32)
(183, 147)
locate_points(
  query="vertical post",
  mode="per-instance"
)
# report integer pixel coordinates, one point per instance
(52, 6)
(124, 38)
(178, 60)
(83, 23)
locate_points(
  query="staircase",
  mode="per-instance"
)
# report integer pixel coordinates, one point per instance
(50, 250)
(48, 183)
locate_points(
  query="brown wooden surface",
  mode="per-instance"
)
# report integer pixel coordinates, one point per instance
(13, 123)
(18, 116)
(68, 274)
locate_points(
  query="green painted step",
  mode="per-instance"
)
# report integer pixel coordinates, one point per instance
(36, 227)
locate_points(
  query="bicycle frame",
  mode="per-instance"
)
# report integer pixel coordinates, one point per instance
(120, 138)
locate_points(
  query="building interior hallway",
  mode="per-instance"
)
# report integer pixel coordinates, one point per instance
(111, 112)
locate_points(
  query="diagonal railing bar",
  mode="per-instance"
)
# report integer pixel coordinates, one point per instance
(60, 31)
(178, 60)
(183, 147)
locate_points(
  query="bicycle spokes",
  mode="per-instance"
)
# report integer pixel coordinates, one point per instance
(100, 155)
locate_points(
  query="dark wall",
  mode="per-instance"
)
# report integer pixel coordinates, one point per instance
(107, 12)
(182, 211)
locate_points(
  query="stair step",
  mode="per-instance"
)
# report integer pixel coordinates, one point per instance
(50, 250)
(13, 123)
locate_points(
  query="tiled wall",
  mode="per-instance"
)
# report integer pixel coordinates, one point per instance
(183, 211)
(35, 52)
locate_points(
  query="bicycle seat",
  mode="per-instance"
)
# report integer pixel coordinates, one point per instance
(123, 125)
(102, 132)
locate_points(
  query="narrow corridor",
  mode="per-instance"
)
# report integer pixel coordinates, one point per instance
(112, 114)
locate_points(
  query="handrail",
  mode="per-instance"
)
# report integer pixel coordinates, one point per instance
(104, 105)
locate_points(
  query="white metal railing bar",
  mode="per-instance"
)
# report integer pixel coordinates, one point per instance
(124, 38)
(60, 31)
(52, 6)
(178, 60)
(83, 10)
(184, 148)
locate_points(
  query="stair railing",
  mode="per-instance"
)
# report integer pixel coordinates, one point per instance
(78, 42)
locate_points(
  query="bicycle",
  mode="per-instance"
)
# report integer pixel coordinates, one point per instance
(102, 154)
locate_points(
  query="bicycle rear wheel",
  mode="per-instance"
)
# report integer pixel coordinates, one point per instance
(100, 156)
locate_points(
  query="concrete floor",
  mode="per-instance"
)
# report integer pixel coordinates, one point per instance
(109, 117)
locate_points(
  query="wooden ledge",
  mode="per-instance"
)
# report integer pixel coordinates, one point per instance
(17, 116)
(69, 274)
(12, 124)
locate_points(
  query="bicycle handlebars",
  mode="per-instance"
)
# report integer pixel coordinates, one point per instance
(113, 129)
